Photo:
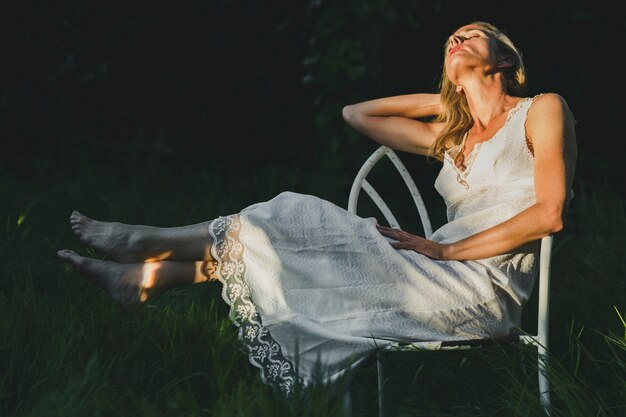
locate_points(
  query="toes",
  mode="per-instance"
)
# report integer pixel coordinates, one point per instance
(85, 266)
(78, 217)
(64, 253)
(71, 257)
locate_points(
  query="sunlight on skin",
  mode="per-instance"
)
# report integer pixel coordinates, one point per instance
(148, 280)
(160, 257)
(200, 276)
(159, 276)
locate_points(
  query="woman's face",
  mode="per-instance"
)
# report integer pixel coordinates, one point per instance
(467, 49)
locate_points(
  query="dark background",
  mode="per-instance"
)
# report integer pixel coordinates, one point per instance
(142, 86)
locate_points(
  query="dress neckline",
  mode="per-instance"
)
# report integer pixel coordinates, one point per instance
(472, 155)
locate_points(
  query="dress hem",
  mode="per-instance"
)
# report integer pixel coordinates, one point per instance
(263, 350)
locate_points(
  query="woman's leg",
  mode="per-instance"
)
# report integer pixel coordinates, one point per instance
(128, 243)
(130, 283)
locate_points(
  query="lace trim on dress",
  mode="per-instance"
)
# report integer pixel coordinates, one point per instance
(264, 352)
(461, 175)
(529, 144)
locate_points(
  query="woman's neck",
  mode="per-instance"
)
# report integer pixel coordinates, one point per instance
(487, 104)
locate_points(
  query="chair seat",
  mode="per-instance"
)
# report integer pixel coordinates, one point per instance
(421, 345)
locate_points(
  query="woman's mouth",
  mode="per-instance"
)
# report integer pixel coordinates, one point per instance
(454, 49)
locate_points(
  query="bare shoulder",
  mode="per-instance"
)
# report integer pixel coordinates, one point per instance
(550, 107)
(550, 115)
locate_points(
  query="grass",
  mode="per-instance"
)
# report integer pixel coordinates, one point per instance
(66, 350)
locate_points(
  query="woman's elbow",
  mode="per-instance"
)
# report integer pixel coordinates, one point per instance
(557, 225)
(348, 112)
(556, 222)
(551, 217)
(352, 116)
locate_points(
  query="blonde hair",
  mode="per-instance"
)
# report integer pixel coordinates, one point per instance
(455, 112)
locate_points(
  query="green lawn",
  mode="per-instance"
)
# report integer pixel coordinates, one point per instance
(66, 350)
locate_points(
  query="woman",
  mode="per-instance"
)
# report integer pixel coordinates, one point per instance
(308, 282)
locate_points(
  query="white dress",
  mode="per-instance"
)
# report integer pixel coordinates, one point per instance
(307, 280)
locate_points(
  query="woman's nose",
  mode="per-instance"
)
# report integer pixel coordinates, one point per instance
(455, 40)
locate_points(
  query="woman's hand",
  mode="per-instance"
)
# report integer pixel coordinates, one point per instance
(415, 243)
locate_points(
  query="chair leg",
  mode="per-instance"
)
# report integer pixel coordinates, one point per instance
(347, 402)
(381, 388)
(544, 383)
(522, 361)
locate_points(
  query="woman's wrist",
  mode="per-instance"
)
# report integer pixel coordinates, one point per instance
(407, 105)
(448, 252)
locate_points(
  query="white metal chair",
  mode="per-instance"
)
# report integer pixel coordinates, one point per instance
(540, 340)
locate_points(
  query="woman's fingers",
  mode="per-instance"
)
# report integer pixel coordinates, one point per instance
(388, 231)
(402, 245)
(415, 243)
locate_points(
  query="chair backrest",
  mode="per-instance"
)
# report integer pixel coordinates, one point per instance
(542, 265)
(360, 182)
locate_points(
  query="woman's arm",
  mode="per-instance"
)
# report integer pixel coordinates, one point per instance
(550, 125)
(390, 121)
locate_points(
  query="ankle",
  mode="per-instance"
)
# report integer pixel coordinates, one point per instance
(137, 240)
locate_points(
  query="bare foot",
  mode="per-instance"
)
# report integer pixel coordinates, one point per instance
(123, 282)
(118, 240)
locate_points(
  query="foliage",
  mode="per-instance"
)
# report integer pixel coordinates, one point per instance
(343, 49)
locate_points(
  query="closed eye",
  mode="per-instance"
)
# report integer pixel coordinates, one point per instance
(474, 35)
